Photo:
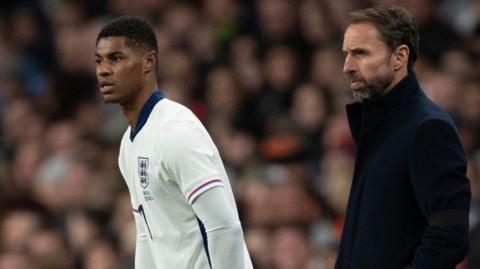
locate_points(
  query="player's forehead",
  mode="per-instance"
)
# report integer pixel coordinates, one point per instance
(361, 35)
(106, 45)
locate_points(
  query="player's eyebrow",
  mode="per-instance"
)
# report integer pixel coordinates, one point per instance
(110, 54)
(359, 51)
(356, 51)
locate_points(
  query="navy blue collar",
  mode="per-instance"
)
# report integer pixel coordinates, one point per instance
(145, 112)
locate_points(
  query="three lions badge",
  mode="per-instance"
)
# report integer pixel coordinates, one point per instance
(143, 172)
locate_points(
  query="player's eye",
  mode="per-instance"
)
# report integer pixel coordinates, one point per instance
(360, 52)
(115, 58)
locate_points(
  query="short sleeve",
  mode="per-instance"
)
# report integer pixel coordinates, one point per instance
(190, 158)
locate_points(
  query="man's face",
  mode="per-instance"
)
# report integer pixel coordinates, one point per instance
(368, 61)
(119, 70)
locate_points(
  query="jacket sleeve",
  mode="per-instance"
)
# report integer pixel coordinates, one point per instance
(437, 167)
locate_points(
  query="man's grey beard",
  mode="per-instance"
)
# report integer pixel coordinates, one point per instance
(375, 88)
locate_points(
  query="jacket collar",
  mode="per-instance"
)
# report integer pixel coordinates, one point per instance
(363, 116)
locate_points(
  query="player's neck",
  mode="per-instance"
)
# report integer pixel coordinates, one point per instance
(131, 111)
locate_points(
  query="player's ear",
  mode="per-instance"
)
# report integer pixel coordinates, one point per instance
(150, 61)
(400, 57)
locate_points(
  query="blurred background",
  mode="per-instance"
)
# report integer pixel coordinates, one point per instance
(266, 79)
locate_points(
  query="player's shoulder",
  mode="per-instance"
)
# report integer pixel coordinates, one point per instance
(179, 125)
(170, 113)
(177, 136)
(426, 112)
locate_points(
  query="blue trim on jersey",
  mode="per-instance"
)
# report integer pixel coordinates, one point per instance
(145, 112)
(205, 240)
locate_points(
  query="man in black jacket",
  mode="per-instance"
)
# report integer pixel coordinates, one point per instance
(410, 198)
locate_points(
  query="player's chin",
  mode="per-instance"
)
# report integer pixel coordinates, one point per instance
(110, 98)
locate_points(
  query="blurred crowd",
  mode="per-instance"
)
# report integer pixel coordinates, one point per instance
(264, 76)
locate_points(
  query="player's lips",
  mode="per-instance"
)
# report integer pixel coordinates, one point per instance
(355, 84)
(106, 86)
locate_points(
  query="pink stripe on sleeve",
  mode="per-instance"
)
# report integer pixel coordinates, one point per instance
(202, 186)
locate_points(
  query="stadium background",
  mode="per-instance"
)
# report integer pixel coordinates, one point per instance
(264, 77)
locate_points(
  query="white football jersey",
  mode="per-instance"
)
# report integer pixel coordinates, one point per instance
(167, 162)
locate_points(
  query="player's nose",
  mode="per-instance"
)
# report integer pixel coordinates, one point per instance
(103, 70)
(349, 65)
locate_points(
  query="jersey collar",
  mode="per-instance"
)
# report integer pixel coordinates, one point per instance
(145, 112)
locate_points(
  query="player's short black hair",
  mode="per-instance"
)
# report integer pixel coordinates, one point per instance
(137, 32)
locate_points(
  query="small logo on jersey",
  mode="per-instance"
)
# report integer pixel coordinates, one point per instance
(143, 171)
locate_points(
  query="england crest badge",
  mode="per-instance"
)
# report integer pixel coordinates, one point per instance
(143, 171)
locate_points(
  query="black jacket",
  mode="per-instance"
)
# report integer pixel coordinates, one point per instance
(410, 198)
